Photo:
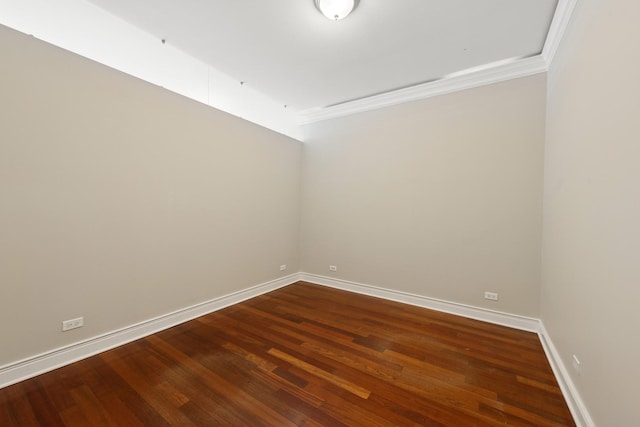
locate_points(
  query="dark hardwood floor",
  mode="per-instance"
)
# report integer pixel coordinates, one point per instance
(304, 355)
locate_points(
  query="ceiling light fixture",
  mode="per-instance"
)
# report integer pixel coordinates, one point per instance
(336, 9)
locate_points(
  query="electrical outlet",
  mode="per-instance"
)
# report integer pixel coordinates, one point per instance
(576, 364)
(493, 296)
(283, 267)
(333, 268)
(72, 324)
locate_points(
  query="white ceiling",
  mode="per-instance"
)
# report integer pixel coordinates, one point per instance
(287, 50)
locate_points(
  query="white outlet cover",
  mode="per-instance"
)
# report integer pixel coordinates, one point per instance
(493, 296)
(576, 364)
(72, 324)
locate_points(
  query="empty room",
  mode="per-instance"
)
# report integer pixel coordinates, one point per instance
(319, 213)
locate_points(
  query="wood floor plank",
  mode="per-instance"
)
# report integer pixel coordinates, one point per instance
(43, 409)
(203, 402)
(20, 408)
(333, 379)
(87, 402)
(247, 401)
(304, 355)
(72, 416)
(145, 386)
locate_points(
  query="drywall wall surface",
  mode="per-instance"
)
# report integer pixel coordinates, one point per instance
(84, 28)
(121, 201)
(591, 244)
(439, 197)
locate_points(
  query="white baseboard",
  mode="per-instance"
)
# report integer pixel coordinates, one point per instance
(505, 319)
(574, 401)
(576, 405)
(36, 365)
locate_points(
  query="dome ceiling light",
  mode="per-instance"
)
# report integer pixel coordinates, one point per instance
(336, 9)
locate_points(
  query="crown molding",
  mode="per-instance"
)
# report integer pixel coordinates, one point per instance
(173, 70)
(471, 78)
(559, 24)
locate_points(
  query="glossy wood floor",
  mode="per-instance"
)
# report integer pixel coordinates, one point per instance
(304, 355)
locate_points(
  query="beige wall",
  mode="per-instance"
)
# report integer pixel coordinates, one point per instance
(591, 258)
(120, 201)
(439, 197)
